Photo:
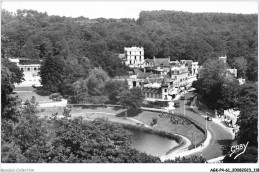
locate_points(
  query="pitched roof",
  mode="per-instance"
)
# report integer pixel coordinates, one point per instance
(161, 62)
(152, 90)
(164, 82)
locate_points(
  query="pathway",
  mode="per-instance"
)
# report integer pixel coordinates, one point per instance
(176, 152)
(145, 125)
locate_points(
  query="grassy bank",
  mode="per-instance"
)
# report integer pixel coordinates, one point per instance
(165, 124)
(26, 93)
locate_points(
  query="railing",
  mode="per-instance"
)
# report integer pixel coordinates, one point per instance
(94, 105)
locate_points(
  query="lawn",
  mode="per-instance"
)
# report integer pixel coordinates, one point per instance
(29, 88)
(26, 93)
(88, 114)
(165, 124)
(78, 111)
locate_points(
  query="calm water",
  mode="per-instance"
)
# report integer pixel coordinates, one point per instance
(151, 143)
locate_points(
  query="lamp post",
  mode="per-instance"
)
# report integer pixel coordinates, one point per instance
(206, 121)
(195, 139)
(184, 107)
(192, 138)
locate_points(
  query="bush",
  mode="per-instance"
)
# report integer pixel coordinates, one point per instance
(97, 99)
(156, 104)
(154, 121)
(56, 97)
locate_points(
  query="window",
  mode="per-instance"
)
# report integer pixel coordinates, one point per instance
(35, 69)
(140, 53)
(165, 90)
(28, 69)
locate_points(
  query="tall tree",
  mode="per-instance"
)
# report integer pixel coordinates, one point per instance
(52, 73)
(216, 86)
(96, 82)
(131, 99)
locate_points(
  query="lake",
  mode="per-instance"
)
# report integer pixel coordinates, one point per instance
(152, 144)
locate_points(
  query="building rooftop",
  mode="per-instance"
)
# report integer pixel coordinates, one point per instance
(161, 62)
(121, 55)
(152, 90)
(164, 82)
(134, 48)
(14, 60)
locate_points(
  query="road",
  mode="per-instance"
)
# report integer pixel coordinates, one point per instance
(220, 137)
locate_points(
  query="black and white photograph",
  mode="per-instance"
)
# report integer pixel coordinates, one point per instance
(102, 85)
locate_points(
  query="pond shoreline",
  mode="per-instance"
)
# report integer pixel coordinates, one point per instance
(176, 137)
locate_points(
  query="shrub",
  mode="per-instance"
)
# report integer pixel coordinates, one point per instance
(156, 104)
(55, 97)
(154, 121)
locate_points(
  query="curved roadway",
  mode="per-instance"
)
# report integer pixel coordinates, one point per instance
(220, 137)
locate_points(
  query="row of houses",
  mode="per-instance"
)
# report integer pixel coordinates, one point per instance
(158, 75)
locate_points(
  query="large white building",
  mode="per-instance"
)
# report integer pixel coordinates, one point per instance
(179, 74)
(31, 73)
(134, 57)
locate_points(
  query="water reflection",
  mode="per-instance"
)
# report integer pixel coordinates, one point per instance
(153, 144)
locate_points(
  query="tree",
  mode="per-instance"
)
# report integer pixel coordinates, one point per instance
(96, 82)
(16, 74)
(10, 74)
(252, 70)
(192, 159)
(131, 99)
(216, 87)
(240, 64)
(113, 88)
(29, 50)
(248, 106)
(52, 73)
(25, 140)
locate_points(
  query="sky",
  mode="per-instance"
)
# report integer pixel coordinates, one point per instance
(128, 9)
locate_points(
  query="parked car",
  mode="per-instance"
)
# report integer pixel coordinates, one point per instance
(208, 118)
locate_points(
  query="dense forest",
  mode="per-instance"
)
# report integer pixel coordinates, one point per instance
(174, 34)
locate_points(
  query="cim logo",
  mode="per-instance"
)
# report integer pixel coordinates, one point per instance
(239, 149)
